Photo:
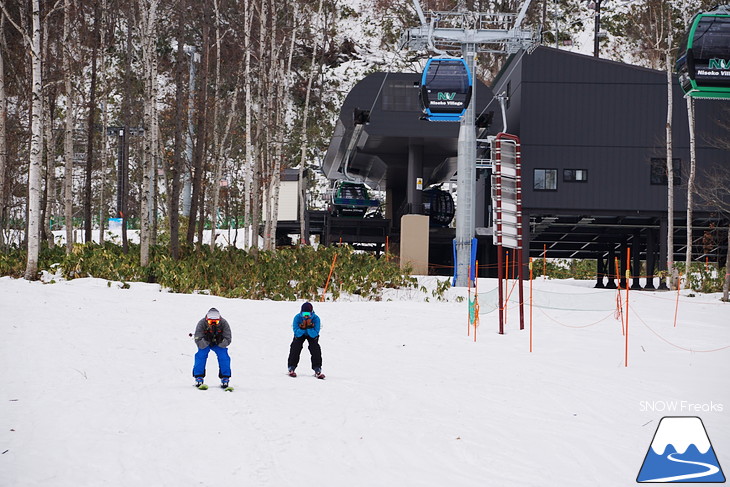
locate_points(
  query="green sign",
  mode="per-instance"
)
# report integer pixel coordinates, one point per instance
(446, 96)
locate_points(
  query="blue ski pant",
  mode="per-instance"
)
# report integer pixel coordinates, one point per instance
(224, 361)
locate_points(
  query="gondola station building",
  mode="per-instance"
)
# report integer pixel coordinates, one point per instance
(593, 147)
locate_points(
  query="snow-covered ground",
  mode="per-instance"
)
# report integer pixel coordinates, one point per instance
(98, 389)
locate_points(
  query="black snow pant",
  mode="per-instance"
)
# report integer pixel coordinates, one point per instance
(295, 351)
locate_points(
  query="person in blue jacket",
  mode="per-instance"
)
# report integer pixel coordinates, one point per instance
(306, 326)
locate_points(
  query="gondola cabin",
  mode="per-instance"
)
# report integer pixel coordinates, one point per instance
(703, 58)
(446, 88)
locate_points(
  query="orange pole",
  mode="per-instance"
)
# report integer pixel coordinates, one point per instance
(530, 304)
(332, 268)
(476, 298)
(676, 306)
(628, 275)
(468, 314)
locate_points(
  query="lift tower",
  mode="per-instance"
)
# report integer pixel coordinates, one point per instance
(465, 34)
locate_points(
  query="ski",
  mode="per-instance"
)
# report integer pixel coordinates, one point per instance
(202, 387)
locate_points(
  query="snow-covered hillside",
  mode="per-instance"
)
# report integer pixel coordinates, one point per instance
(98, 389)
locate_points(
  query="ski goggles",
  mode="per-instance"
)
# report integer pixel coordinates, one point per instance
(213, 322)
(306, 314)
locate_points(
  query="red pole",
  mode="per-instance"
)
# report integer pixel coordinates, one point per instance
(628, 276)
(506, 289)
(530, 304)
(500, 276)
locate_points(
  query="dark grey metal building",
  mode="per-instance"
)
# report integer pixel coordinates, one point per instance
(593, 137)
(593, 156)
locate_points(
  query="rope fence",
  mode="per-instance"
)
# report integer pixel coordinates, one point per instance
(582, 307)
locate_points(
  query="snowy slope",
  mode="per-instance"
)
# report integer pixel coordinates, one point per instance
(98, 390)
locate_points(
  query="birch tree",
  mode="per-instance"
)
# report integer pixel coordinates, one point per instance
(248, 115)
(690, 182)
(91, 125)
(68, 142)
(197, 201)
(49, 141)
(177, 158)
(3, 130)
(104, 123)
(217, 156)
(148, 12)
(670, 163)
(302, 161)
(263, 82)
(36, 143)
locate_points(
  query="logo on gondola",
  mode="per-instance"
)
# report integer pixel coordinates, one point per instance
(680, 452)
(446, 96)
(719, 64)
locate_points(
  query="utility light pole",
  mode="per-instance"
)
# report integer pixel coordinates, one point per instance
(467, 34)
(596, 5)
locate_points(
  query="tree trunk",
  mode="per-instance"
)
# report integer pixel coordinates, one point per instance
(248, 115)
(199, 150)
(256, 193)
(49, 145)
(177, 158)
(690, 183)
(3, 131)
(91, 133)
(217, 157)
(68, 142)
(148, 12)
(49, 142)
(302, 162)
(670, 170)
(726, 284)
(104, 124)
(34, 172)
(280, 125)
(127, 122)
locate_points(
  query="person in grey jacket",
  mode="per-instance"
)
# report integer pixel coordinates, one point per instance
(212, 333)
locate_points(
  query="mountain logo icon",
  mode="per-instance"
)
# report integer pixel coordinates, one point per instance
(681, 452)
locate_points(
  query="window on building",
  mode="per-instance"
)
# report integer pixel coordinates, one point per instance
(399, 96)
(659, 171)
(575, 175)
(545, 179)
